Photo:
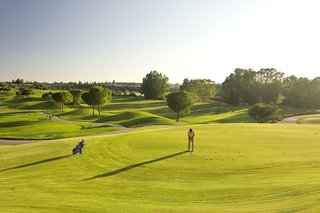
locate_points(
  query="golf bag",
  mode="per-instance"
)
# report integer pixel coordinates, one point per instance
(77, 149)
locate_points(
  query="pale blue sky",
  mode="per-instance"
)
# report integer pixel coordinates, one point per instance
(122, 40)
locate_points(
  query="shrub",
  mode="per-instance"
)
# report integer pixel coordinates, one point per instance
(47, 96)
(262, 112)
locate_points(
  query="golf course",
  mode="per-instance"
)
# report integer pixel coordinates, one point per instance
(135, 159)
(159, 106)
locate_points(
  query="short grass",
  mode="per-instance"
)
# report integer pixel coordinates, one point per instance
(122, 109)
(310, 120)
(235, 168)
(33, 125)
(136, 111)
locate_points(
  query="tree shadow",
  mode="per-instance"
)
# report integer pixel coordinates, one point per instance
(36, 163)
(17, 123)
(124, 169)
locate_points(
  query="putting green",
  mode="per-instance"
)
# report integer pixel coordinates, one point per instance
(236, 168)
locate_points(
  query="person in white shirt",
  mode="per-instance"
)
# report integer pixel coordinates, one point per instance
(191, 135)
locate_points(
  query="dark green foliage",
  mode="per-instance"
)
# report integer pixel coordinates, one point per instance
(18, 81)
(202, 89)
(47, 96)
(76, 97)
(262, 112)
(62, 98)
(301, 92)
(133, 94)
(250, 87)
(180, 101)
(4, 88)
(24, 91)
(155, 85)
(97, 96)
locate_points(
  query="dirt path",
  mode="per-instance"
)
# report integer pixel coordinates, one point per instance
(294, 119)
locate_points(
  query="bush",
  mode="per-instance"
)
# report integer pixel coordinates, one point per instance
(262, 112)
(47, 96)
(133, 94)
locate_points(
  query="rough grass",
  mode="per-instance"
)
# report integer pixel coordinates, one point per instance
(236, 168)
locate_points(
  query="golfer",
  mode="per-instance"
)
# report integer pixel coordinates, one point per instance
(191, 135)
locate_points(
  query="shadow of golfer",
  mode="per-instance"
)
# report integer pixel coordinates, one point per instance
(135, 166)
(36, 163)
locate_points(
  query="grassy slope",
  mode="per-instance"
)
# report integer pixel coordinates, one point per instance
(123, 109)
(32, 125)
(236, 168)
(135, 111)
(310, 120)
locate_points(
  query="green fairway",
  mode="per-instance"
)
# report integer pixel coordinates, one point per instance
(235, 168)
(136, 111)
(310, 120)
(33, 125)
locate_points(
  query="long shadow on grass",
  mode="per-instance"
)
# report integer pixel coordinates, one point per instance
(124, 169)
(36, 163)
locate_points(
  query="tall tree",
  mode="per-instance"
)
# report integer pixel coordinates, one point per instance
(88, 99)
(269, 81)
(76, 97)
(230, 89)
(180, 101)
(203, 89)
(155, 85)
(97, 96)
(62, 98)
(250, 87)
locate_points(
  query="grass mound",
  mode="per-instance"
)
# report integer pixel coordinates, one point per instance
(135, 119)
(33, 125)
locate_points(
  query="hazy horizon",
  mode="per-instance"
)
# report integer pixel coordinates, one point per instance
(78, 40)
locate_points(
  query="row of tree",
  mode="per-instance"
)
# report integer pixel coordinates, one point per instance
(156, 86)
(96, 96)
(250, 87)
(246, 86)
(301, 92)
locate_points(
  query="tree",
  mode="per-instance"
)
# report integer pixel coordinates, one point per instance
(24, 91)
(262, 112)
(88, 99)
(269, 81)
(47, 96)
(154, 85)
(250, 87)
(230, 89)
(5, 88)
(76, 97)
(18, 81)
(180, 101)
(203, 89)
(62, 98)
(301, 92)
(97, 96)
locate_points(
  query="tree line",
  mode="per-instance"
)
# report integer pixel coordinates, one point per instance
(246, 86)
(96, 96)
(266, 88)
